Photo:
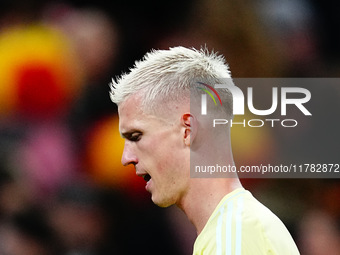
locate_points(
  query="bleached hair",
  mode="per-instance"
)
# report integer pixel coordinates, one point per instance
(167, 75)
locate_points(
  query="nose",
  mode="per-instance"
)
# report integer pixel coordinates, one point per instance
(128, 157)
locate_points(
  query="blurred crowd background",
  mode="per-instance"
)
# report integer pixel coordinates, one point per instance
(62, 187)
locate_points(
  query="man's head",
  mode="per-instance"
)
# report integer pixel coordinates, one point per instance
(156, 120)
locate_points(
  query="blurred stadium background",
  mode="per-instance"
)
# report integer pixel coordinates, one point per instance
(62, 187)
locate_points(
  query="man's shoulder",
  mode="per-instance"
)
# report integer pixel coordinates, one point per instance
(241, 222)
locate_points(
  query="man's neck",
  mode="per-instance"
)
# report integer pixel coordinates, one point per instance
(203, 197)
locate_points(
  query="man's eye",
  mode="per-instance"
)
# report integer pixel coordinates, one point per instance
(135, 137)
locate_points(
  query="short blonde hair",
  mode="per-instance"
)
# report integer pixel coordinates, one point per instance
(168, 75)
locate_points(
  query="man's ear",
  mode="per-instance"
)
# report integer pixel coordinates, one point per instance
(190, 128)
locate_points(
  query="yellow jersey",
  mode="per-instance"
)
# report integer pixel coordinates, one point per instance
(241, 225)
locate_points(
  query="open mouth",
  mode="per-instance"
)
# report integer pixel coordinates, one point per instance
(147, 177)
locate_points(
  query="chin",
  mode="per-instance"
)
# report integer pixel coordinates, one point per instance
(162, 202)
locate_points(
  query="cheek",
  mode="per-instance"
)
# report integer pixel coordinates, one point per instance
(157, 147)
(163, 152)
(168, 159)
